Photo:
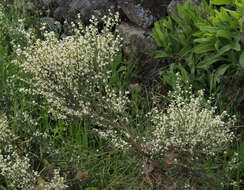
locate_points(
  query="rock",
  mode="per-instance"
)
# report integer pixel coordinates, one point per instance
(60, 13)
(51, 24)
(87, 8)
(136, 13)
(47, 3)
(140, 39)
(83, 6)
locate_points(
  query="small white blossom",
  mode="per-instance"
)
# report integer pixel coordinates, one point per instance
(57, 183)
(15, 168)
(189, 124)
(73, 73)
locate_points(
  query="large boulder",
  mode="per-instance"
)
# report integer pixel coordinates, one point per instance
(137, 38)
(68, 10)
(136, 13)
(143, 13)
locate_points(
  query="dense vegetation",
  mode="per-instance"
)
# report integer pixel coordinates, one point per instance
(75, 113)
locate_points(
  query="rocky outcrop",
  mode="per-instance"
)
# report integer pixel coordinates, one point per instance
(138, 16)
(142, 13)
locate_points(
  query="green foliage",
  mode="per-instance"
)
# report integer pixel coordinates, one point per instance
(89, 161)
(123, 71)
(205, 45)
(9, 73)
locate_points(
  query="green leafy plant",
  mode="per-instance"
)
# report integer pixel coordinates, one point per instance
(204, 44)
(174, 36)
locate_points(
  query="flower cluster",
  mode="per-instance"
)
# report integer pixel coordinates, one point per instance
(189, 125)
(115, 138)
(15, 168)
(73, 73)
(57, 183)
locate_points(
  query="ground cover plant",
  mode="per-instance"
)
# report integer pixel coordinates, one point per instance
(75, 124)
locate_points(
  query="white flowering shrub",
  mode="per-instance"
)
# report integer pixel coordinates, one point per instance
(15, 168)
(190, 125)
(73, 73)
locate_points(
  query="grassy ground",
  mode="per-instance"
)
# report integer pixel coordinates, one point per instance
(84, 159)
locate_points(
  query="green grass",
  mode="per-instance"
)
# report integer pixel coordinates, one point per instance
(74, 147)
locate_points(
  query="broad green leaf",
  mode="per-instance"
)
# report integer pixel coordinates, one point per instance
(158, 35)
(238, 4)
(91, 188)
(183, 72)
(172, 67)
(203, 40)
(206, 28)
(161, 54)
(222, 69)
(220, 2)
(222, 50)
(198, 34)
(206, 64)
(212, 82)
(214, 57)
(241, 60)
(180, 22)
(235, 14)
(167, 23)
(182, 39)
(203, 48)
(217, 44)
(214, 20)
(223, 34)
(223, 15)
(236, 46)
(191, 63)
(184, 51)
(122, 68)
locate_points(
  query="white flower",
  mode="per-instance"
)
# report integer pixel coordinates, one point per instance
(73, 73)
(190, 124)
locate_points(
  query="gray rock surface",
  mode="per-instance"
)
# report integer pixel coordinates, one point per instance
(51, 24)
(138, 17)
(137, 38)
(136, 13)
